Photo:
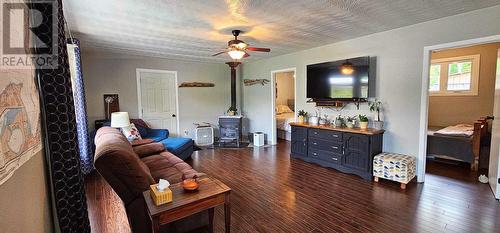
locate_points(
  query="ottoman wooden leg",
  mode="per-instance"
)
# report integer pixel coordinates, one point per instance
(403, 186)
(375, 178)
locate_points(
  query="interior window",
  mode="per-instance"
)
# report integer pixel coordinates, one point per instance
(459, 76)
(435, 75)
(454, 76)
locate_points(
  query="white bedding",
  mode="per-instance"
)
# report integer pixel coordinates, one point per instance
(283, 121)
(460, 130)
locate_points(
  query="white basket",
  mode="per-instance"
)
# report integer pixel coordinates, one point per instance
(204, 136)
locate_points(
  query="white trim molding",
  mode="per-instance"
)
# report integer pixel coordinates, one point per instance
(274, 133)
(424, 99)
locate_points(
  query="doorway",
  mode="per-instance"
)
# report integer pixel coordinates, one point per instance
(157, 94)
(454, 86)
(283, 99)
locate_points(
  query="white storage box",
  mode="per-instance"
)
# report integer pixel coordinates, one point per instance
(258, 139)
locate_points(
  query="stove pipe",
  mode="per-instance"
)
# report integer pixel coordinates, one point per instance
(233, 66)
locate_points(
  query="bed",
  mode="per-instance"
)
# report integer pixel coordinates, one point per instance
(458, 142)
(284, 116)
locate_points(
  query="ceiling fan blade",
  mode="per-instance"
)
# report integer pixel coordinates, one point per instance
(258, 49)
(246, 55)
(219, 53)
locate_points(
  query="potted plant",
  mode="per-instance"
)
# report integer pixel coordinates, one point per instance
(302, 115)
(363, 121)
(376, 106)
(232, 111)
(351, 122)
(324, 120)
(339, 121)
(314, 120)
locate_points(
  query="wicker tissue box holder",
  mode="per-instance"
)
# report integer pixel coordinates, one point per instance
(158, 197)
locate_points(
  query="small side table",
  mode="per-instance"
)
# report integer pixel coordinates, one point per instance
(211, 193)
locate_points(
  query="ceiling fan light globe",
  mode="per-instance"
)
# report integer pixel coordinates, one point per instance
(241, 45)
(236, 54)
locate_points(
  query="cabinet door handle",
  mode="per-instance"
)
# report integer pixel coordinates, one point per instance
(315, 143)
(314, 153)
(335, 159)
(315, 132)
(335, 147)
(335, 135)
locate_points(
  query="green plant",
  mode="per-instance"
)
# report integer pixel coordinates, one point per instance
(340, 121)
(376, 106)
(351, 118)
(232, 109)
(303, 113)
(363, 118)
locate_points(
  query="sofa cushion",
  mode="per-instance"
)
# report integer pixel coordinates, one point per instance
(117, 162)
(169, 167)
(177, 145)
(148, 149)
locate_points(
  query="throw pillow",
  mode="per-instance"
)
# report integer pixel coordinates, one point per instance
(131, 133)
(280, 109)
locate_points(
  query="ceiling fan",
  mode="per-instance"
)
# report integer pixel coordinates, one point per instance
(238, 49)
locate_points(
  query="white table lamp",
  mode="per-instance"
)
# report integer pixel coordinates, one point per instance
(120, 119)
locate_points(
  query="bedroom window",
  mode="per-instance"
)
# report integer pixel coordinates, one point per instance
(455, 76)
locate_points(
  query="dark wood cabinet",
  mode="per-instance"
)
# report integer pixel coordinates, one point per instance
(347, 150)
(299, 142)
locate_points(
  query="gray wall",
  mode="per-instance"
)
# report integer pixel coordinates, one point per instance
(24, 201)
(399, 55)
(116, 73)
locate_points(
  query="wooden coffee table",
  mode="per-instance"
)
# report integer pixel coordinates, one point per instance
(211, 193)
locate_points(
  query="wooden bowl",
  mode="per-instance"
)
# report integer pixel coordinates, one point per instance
(190, 184)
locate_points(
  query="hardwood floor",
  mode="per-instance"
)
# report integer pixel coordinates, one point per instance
(273, 193)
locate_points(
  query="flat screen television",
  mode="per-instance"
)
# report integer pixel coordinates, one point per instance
(347, 79)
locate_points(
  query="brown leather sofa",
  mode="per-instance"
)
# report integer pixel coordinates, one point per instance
(131, 170)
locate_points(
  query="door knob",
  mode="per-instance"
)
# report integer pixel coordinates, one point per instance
(173, 115)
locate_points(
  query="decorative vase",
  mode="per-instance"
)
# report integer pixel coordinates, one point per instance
(350, 124)
(363, 125)
(301, 119)
(314, 120)
(338, 123)
(231, 113)
(322, 121)
(378, 124)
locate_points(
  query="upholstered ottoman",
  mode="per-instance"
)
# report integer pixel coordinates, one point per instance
(395, 167)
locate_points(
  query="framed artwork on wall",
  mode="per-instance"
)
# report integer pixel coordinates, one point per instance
(111, 104)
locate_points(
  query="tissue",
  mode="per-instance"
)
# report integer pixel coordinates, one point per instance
(162, 185)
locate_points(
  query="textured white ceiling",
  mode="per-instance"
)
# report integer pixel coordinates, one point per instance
(194, 30)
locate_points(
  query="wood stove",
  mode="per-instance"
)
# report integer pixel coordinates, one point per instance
(230, 132)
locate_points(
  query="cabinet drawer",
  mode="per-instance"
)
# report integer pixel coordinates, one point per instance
(324, 155)
(330, 146)
(325, 134)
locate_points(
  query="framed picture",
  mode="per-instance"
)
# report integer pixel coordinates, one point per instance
(111, 104)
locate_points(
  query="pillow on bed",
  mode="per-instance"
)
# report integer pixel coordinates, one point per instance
(280, 109)
(460, 130)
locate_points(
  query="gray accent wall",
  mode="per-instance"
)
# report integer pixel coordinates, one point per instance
(399, 55)
(106, 72)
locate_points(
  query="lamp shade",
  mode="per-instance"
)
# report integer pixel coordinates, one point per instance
(120, 119)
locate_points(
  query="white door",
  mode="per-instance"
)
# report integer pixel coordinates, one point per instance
(157, 90)
(494, 169)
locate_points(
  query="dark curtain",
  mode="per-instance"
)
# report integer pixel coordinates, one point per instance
(58, 122)
(84, 146)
